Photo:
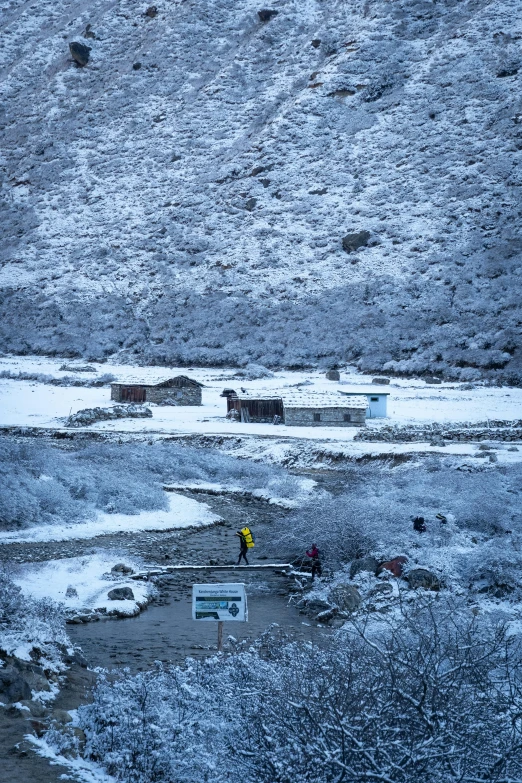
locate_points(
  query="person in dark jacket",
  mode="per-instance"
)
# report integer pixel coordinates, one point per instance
(243, 549)
(315, 556)
(419, 525)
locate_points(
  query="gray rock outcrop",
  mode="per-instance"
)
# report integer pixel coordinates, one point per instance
(346, 597)
(121, 594)
(363, 564)
(80, 53)
(358, 239)
(421, 577)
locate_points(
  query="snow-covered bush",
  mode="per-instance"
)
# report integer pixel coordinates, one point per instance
(431, 695)
(65, 380)
(28, 627)
(42, 484)
(373, 514)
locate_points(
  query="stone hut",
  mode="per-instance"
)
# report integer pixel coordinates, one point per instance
(180, 390)
(324, 410)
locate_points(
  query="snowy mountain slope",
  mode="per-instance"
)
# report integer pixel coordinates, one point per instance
(184, 197)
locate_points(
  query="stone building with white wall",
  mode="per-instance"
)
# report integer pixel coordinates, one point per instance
(324, 410)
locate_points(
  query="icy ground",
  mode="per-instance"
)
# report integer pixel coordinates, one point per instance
(185, 195)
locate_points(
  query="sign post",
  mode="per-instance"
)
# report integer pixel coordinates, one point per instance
(219, 603)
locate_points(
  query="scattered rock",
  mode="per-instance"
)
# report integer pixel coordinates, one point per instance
(136, 66)
(151, 11)
(266, 14)
(343, 93)
(316, 43)
(71, 592)
(250, 204)
(121, 568)
(333, 375)
(77, 368)
(18, 690)
(88, 33)
(36, 708)
(327, 615)
(89, 416)
(61, 716)
(395, 566)
(121, 594)
(352, 242)
(437, 441)
(80, 53)
(504, 72)
(381, 381)
(430, 379)
(421, 577)
(346, 597)
(382, 590)
(363, 564)
(513, 448)
(317, 605)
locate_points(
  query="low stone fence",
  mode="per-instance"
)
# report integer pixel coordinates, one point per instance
(507, 431)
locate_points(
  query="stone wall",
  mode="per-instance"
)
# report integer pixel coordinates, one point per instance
(507, 431)
(333, 417)
(186, 395)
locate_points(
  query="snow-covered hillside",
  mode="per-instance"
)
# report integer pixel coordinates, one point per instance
(184, 197)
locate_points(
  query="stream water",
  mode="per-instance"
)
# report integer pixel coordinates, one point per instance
(167, 632)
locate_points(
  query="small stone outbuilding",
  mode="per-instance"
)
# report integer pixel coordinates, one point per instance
(325, 410)
(180, 390)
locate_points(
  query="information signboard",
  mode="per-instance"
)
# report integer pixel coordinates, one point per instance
(219, 602)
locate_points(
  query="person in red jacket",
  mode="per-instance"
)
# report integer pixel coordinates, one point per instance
(314, 554)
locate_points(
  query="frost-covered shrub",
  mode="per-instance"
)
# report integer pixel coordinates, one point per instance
(42, 484)
(429, 696)
(29, 626)
(64, 380)
(373, 513)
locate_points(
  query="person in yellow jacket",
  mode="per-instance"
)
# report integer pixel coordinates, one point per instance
(246, 542)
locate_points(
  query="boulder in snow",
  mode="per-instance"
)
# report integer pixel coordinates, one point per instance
(80, 53)
(363, 564)
(394, 566)
(346, 597)
(352, 242)
(121, 568)
(266, 14)
(121, 594)
(421, 577)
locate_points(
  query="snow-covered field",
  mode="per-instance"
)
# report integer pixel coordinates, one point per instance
(31, 403)
(183, 512)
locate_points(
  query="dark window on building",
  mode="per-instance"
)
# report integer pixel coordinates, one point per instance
(347, 417)
(374, 399)
(317, 417)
